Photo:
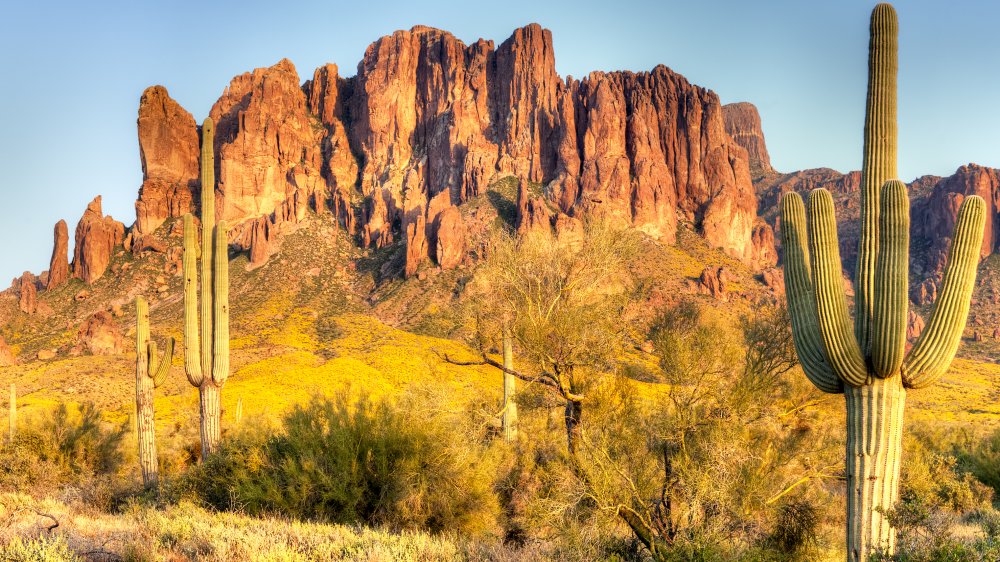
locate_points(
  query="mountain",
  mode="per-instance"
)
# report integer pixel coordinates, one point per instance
(934, 203)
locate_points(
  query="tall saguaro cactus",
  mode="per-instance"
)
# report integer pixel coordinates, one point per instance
(868, 364)
(206, 348)
(147, 379)
(12, 407)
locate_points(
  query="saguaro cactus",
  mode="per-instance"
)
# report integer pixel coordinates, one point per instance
(147, 379)
(206, 355)
(509, 420)
(12, 407)
(870, 366)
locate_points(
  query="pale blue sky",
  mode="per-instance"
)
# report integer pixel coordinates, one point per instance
(72, 74)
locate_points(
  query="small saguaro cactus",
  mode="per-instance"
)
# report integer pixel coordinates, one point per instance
(509, 418)
(206, 349)
(148, 378)
(12, 407)
(869, 364)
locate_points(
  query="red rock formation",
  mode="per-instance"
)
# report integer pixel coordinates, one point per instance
(762, 242)
(59, 264)
(774, 279)
(673, 156)
(267, 147)
(935, 220)
(431, 118)
(416, 244)
(96, 237)
(449, 238)
(100, 334)
(27, 293)
(6, 355)
(742, 122)
(713, 282)
(168, 149)
(914, 326)
(924, 293)
(327, 95)
(532, 211)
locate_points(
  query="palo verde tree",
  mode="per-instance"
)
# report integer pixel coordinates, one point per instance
(206, 348)
(866, 359)
(729, 445)
(561, 301)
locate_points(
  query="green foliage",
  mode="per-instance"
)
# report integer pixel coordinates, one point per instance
(936, 495)
(345, 461)
(983, 460)
(725, 465)
(40, 549)
(65, 448)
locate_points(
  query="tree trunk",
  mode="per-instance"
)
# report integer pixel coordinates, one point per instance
(509, 405)
(874, 445)
(574, 411)
(211, 431)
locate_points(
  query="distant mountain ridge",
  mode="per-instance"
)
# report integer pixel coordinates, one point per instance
(934, 201)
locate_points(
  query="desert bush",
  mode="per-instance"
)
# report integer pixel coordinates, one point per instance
(937, 495)
(40, 549)
(983, 460)
(60, 448)
(353, 461)
(728, 462)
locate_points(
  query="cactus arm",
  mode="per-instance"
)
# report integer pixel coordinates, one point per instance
(159, 375)
(801, 299)
(934, 351)
(220, 299)
(888, 337)
(878, 162)
(831, 303)
(192, 349)
(207, 228)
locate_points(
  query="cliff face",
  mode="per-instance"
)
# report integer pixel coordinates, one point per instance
(743, 124)
(168, 151)
(429, 122)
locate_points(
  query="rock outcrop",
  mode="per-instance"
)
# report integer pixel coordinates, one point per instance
(432, 115)
(169, 152)
(532, 210)
(27, 290)
(742, 122)
(449, 238)
(100, 334)
(934, 221)
(6, 355)
(96, 237)
(429, 122)
(59, 263)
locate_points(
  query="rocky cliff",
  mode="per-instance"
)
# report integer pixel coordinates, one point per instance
(743, 124)
(428, 123)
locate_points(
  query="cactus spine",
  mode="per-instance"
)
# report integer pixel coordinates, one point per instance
(206, 347)
(509, 420)
(868, 364)
(149, 374)
(12, 407)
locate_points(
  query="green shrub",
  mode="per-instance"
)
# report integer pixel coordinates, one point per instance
(343, 461)
(41, 549)
(59, 448)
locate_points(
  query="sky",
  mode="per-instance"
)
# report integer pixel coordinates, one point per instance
(71, 75)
